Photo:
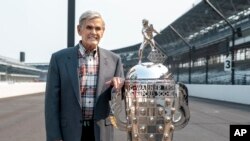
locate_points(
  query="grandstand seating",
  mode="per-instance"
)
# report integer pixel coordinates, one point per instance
(14, 71)
(211, 40)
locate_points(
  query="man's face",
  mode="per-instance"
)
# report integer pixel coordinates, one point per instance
(91, 32)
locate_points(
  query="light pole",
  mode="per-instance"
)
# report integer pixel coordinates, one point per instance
(189, 54)
(233, 38)
(71, 23)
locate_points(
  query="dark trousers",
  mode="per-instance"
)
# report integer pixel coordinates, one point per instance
(88, 131)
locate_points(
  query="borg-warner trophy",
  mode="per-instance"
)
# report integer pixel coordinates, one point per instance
(155, 105)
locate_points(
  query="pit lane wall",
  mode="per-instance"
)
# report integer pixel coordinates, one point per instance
(11, 89)
(230, 93)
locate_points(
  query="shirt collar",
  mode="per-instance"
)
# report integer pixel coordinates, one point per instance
(85, 52)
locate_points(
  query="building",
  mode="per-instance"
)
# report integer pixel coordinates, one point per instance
(201, 43)
(12, 70)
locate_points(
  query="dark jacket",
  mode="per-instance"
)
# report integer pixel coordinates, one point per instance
(63, 115)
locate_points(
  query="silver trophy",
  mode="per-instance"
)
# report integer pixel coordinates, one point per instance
(155, 105)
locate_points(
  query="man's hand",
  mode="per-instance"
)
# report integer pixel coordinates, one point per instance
(116, 82)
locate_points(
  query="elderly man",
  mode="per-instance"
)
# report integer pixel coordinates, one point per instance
(79, 86)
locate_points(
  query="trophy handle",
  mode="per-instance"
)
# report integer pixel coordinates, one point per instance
(116, 109)
(182, 114)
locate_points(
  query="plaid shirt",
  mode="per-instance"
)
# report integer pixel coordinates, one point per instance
(88, 74)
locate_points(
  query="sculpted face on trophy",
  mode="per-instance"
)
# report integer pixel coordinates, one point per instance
(155, 105)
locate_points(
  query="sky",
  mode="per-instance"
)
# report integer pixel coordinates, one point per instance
(39, 27)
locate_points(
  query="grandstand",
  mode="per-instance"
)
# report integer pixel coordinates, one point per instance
(212, 39)
(42, 66)
(12, 70)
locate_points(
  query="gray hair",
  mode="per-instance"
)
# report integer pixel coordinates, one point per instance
(88, 15)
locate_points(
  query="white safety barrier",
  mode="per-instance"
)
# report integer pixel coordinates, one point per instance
(230, 93)
(18, 89)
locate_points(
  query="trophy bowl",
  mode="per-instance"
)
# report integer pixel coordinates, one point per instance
(155, 104)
